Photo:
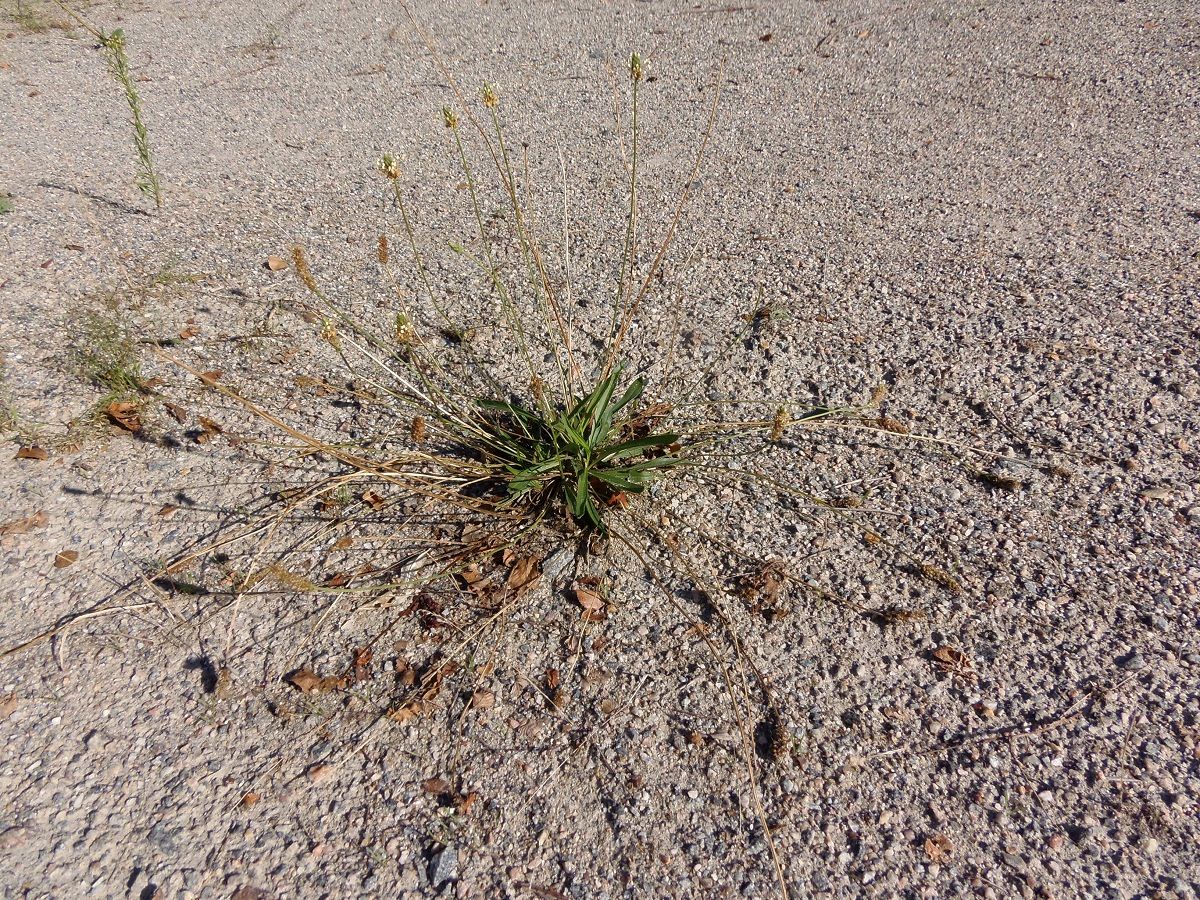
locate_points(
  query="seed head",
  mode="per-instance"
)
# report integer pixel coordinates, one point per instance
(450, 117)
(388, 167)
(302, 270)
(637, 68)
(537, 387)
(383, 250)
(329, 334)
(892, 425)
(490, 100)
(779, 424)
(417, 431)
(942, 577)
(405, 333)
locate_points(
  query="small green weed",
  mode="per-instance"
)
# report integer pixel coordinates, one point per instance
(6, 204)
(107, 356)
(118, 64)
(583, 458)
(33, 16)
(113, 44)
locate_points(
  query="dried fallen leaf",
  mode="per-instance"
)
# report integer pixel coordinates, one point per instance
(125, 414)
(373, 500)
(177, 412)
(210, 377)
(938, 847)
(361, 669)
(588, 598)
(608, 707)
(483, 700)
(276, 263)
(320, 773)
(552, 679)
(954, 661)
(8, 705)
(208, 430)
(32, 452)
(188, 332)
(22, 526)
(168, 510)
(308, 682)
(406, 713)
(249, 799)
(524, 573)
(65, 558)
(435, 786)
(464, 802)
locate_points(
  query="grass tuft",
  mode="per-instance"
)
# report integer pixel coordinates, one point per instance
(107, 356)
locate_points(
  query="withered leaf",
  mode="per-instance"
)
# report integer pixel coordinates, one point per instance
(208, 430)
(8, 705)
(250, 798)
(125, 414)
(308, 682)
(30, 523)
(552, 679)
(177, 412)
(483, 700)
(320, 773)
(588, 598)
(464, 802)
(609, 706)
(65, 558)
(524, 573)
(373, 500)
(405, 673)
(361, 669)
(32, 452)
(168, 510)
(210, 377)
(188, 332)
(938, 847)
(276, 263)
(406, 713)
(435, 786)
(952, 660)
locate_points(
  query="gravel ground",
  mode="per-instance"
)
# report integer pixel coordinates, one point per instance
(992, 209)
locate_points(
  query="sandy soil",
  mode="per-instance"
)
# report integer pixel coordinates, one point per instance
(992, 209)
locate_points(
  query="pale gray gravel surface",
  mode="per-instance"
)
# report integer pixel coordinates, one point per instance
(994, 209)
